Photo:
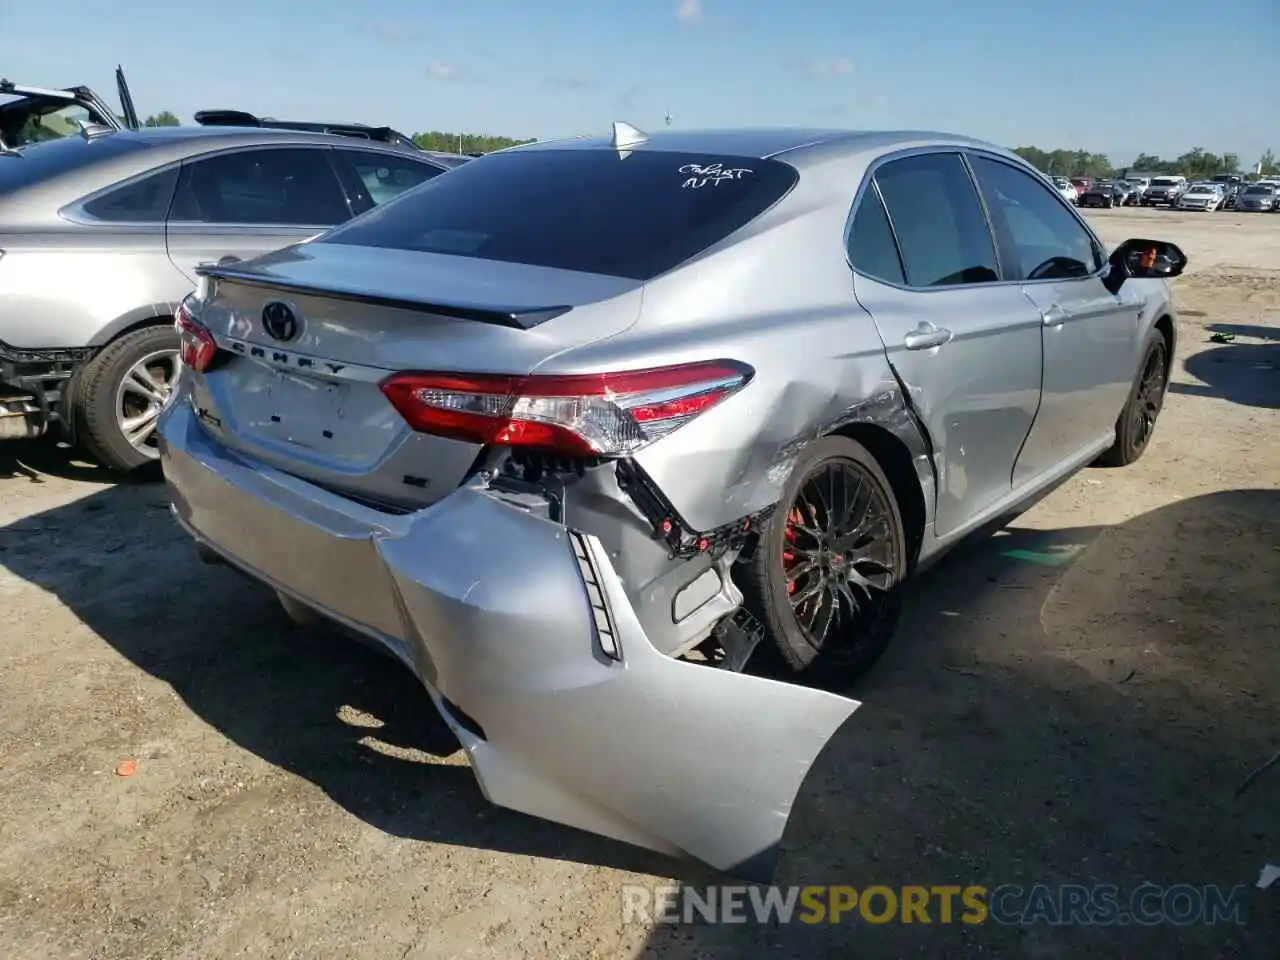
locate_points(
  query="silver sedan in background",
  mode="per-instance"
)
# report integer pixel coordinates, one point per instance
(624, 446)
(100, 234)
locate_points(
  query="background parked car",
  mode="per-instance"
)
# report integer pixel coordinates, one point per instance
(1139, 187)
(1105, 193)
(1204, 195)
(1258, 198)
(1081, 184)
(1067, 189)
(37, 114)
(101, 236)
(1232, 184)
(1164, 191)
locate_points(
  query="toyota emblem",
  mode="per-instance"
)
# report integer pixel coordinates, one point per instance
(279, 320)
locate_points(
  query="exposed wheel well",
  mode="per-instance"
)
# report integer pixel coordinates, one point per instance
(895, 460)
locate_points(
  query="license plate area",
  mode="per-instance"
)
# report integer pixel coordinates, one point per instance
(282, 406)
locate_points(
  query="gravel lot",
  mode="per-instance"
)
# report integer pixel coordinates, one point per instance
(1087, 721)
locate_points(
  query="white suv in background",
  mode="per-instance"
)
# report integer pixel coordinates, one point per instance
(1067, 189)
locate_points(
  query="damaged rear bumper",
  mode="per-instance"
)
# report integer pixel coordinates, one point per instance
(527, 643)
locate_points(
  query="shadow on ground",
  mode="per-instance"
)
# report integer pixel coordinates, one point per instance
(34, 460)
(1242, 372)
(1067, 707)
(1074, 706)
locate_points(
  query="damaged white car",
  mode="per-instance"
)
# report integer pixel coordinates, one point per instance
(582, 428)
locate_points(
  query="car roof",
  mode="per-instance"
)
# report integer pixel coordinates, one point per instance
(55, 172)
(201, 138)
(800, 145)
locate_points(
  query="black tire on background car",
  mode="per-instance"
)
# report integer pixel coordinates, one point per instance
(119, 395)
(1137, 420)
(824, 576)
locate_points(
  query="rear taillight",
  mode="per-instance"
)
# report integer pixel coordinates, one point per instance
(198, 346)
(598, 414)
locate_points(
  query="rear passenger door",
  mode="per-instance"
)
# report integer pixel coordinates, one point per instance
(965, 344)
(1090, 334)
(372, 177)
(244, 203)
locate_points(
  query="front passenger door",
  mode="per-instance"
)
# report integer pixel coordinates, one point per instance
(965, 345)
(1090, 335)
(244, 203)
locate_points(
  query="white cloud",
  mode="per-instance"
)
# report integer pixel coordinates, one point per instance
(391, 32)
(827, 69)
(446, 72)
(690, 11)
(570, 81)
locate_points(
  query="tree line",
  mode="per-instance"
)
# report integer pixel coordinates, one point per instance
(1197, 163)
(430, 140)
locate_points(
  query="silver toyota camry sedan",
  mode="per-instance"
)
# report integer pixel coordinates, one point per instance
(624, 445)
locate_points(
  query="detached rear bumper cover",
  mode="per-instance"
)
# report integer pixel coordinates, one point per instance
(490, 606)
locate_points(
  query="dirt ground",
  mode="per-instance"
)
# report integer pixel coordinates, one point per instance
(1083, 716)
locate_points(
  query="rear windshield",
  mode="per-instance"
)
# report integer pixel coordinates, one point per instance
(633, 215)
(1259, 190)
(42, 161)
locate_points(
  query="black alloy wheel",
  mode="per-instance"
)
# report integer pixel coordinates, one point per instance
(1137, 422)
(824, 577)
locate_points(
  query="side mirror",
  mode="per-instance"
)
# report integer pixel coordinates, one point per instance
(1143, 259)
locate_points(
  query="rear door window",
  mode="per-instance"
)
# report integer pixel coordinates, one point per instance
(293, 186)
(145, 200)
(633, 214)
(941, 228)
(872, 249)
(383, 176)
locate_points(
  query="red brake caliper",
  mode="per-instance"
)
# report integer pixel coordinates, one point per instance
(788, 557)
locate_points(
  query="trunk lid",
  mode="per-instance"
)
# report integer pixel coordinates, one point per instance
(127, 110)
(303, 394)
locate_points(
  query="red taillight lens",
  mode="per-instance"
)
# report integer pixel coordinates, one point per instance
(597, 414)
(198, 347)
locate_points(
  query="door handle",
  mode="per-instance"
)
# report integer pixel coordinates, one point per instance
(925, 337)
(1055, 316)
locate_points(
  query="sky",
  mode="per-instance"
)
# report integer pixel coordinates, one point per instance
(1108, 77)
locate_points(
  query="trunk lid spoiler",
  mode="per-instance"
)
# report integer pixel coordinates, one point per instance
(517, 317)
(493, 292)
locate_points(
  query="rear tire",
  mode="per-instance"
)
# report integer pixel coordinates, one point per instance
(823, 579)
(1137, 421)
(124, 388)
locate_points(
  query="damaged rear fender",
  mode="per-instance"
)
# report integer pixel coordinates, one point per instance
(726, 465)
